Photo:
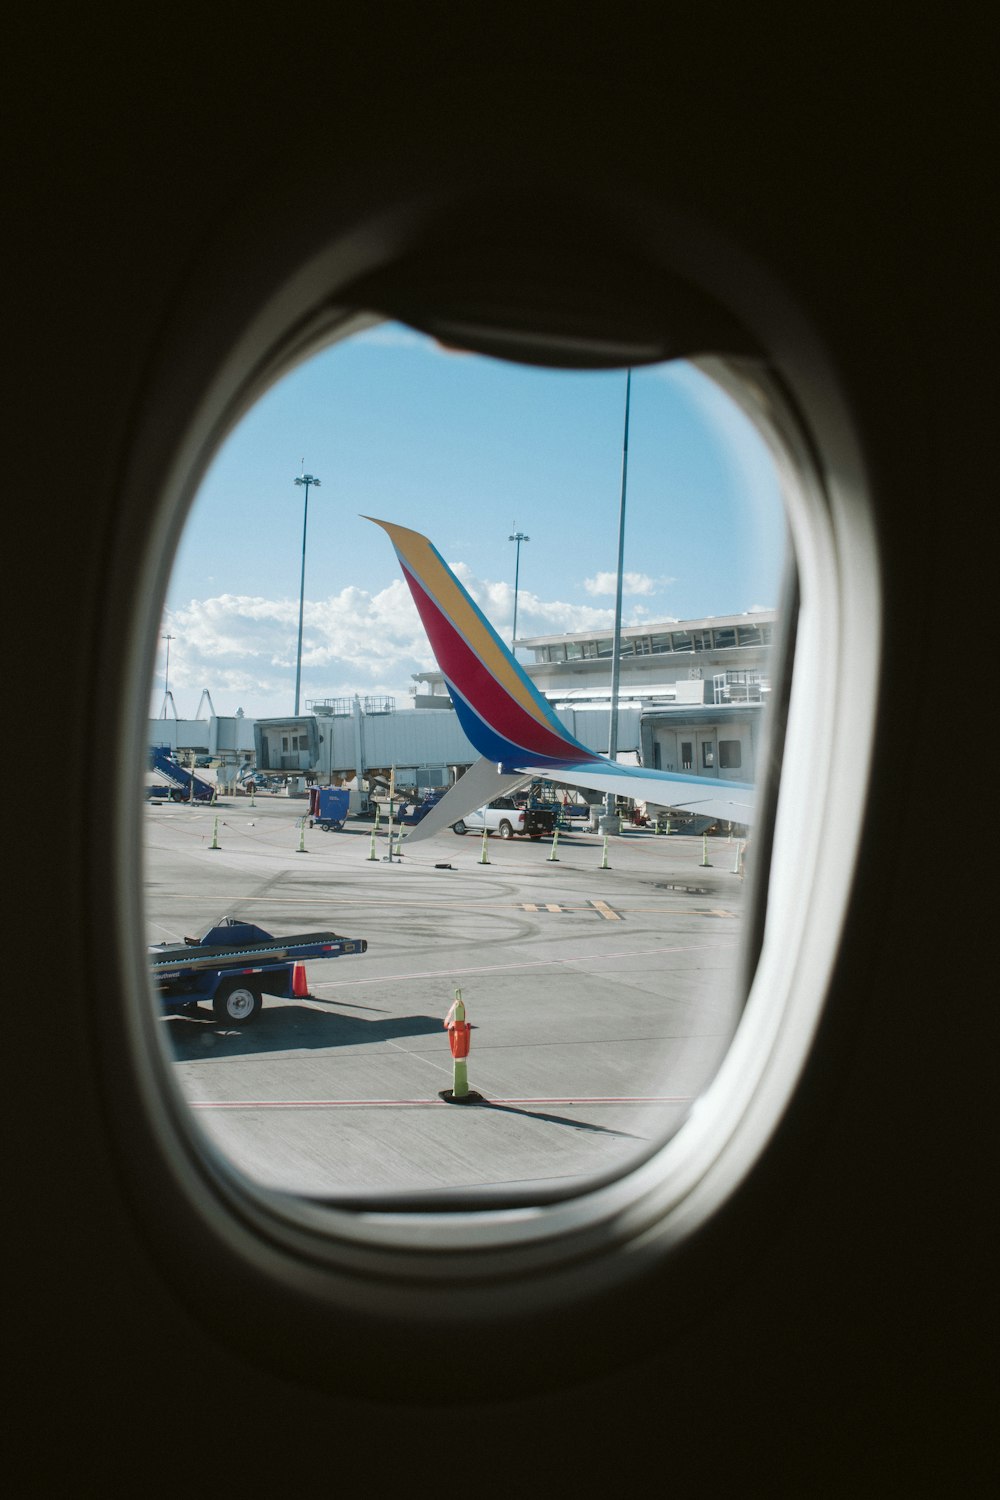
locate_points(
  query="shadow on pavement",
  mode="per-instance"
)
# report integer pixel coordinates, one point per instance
(285, 1028)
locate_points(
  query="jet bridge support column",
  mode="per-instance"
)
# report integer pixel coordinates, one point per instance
(359, 740)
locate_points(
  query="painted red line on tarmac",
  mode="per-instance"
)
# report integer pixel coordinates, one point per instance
(409, 1103)
(535, 963)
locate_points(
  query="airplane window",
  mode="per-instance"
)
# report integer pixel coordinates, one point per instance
(358, 627)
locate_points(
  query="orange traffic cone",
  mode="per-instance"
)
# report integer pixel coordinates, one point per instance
(300, 985)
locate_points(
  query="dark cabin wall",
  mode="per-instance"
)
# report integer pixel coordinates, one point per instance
(853, 1351)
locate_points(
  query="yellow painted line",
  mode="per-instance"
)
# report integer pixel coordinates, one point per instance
(606, 911)
(549, 907)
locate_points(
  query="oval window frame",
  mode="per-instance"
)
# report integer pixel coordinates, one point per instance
(337, 1273)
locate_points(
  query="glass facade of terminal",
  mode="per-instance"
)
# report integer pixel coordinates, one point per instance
(709, 637)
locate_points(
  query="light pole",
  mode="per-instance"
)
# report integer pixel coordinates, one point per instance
(617, 649)
(307, 480)
(518, 537)
(166, 677)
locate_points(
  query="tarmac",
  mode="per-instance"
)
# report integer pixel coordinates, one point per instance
(600, 978)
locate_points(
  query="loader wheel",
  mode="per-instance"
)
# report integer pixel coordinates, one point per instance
(236, 1001)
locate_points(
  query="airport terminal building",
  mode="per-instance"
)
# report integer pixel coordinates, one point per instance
(691, 698)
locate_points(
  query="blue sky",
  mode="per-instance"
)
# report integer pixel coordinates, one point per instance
(465, 450)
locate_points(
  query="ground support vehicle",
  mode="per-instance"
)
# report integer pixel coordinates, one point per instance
(328, 807)
(236, 963)
(503, 816)
(569, 812)
(183, 785)
(410, 813)
(573, 815)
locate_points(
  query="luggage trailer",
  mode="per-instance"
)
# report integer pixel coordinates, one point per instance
(235, 964)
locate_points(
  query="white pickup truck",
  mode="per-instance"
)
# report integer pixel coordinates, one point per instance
(503, 816)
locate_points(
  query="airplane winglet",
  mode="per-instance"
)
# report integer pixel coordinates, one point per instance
(506, 718)
(500, 709)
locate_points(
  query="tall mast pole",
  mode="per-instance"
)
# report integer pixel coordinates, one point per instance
(307, 480)
(166, 677)
(518, 537)
(617, 647)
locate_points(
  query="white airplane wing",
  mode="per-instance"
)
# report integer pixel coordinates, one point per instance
(480, 784)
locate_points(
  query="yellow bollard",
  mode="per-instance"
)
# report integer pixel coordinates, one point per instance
(215, 836)
(371, 851)
(482, 858)
(555, 845)
(704, 849)
(302, 837)
(604, 857)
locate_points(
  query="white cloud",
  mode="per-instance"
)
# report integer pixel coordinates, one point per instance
(242, 648)
(535, 616)
(632, 583)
